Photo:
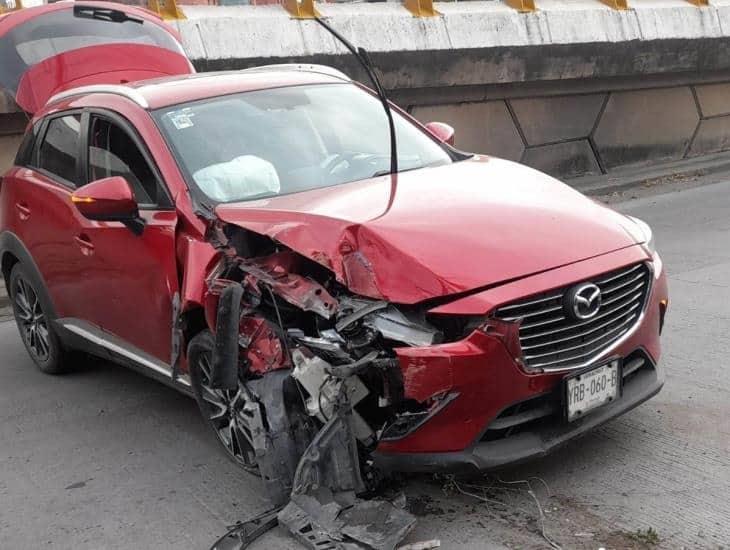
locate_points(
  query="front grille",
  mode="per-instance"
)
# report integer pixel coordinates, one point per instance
(552, 340)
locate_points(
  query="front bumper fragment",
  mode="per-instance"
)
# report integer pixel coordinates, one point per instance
(487, 455)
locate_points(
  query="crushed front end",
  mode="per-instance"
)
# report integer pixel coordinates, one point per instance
(338, 388)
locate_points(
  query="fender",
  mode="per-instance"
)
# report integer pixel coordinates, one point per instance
(11, 244)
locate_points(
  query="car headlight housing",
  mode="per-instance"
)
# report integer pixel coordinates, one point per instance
(645, 234)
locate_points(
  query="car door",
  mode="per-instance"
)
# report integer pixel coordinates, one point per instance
(113, 285)
(38, 206)
(127, 281)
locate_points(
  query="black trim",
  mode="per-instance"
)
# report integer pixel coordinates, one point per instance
(131, 131)
(27, 147)
(83, 156)
(135, 225)
(75, 341)
(35, 157)
(548, 395)
(11, 244)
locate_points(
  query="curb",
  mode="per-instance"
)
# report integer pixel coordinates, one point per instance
(624, 179)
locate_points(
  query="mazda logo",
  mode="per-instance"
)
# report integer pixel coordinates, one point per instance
(583, 301)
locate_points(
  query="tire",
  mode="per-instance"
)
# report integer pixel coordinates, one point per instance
(35, 327)
(218, 406)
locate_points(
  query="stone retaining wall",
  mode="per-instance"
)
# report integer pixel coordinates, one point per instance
(593, 133)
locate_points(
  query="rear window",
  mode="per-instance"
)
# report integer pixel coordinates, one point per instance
(60, 147)
(60, 31)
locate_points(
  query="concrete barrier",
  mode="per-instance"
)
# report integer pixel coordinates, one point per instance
(575, 88)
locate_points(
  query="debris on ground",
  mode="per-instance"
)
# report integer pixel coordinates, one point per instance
(647, 536)
(479, 492)
(425, 545)
(241, 535)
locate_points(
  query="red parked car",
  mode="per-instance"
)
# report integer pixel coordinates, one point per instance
(239, 236)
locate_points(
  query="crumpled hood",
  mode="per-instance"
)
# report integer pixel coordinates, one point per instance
(438, 231)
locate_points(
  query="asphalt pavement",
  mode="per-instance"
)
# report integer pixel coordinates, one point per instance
(106, 459)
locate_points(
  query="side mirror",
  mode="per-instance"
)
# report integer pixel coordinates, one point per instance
(443, 132)
(109, 200)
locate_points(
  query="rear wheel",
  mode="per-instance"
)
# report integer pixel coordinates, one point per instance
(35, 327)
(221, 409)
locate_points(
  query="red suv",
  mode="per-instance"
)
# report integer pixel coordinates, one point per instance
(239, 236)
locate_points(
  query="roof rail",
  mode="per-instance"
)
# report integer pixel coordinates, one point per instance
(305, 67)
(124, 91)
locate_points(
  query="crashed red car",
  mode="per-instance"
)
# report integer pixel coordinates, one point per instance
(240, 237)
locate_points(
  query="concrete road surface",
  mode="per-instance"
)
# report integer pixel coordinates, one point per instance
(105, 458)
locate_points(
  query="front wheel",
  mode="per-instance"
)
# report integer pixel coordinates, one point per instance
(34, 325)
(221, 409)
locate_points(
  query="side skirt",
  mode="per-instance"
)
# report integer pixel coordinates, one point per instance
(84, 336)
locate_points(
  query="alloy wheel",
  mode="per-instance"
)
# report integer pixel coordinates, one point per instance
(32, 320)
(224, 409)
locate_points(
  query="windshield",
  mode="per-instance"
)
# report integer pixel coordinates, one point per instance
(60, 31)
(285, 140)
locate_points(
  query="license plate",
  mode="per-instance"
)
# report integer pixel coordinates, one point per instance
(591, 389)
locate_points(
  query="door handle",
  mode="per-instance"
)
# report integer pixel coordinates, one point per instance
(23, 210)
(85, 244)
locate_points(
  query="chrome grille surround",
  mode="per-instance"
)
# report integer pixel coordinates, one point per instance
(552, 341)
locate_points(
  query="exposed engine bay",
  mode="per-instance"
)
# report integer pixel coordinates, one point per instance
(317, 386)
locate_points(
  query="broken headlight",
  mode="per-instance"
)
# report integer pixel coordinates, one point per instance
(361, 320)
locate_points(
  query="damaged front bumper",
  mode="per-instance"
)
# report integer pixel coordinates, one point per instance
(532, 443)
(503, 414)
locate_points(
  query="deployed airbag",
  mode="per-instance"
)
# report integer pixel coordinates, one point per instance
(238, 179)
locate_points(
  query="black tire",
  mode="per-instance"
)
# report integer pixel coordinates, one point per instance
(217, 406)
(36, 329)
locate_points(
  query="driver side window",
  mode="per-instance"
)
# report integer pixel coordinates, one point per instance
(112, 152)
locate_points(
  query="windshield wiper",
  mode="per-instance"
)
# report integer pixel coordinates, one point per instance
(385, 172)
(364, 58)
(104, 14)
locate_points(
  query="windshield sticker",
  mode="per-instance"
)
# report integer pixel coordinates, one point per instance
(182, 119)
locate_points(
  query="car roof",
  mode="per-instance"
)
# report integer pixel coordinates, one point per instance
(164, 92)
